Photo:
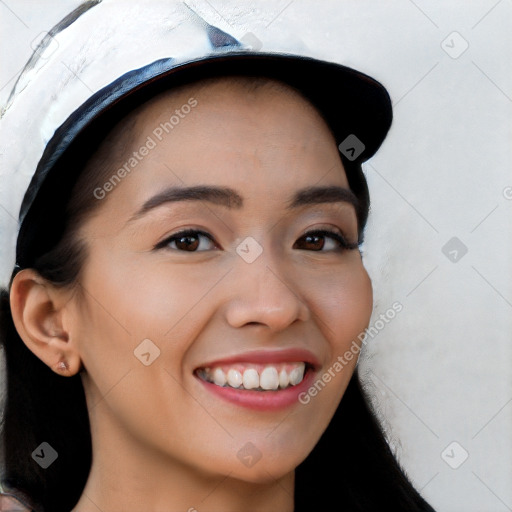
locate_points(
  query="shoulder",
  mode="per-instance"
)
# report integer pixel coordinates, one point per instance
(9, 502)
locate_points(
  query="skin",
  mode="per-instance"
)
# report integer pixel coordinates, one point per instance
(161, 441)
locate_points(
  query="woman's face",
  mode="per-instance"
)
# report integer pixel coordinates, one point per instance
(247, 296)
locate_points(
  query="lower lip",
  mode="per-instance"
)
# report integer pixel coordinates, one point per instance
(262, 400)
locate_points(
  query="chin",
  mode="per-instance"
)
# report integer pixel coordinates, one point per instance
(272, 466)
(263, 473)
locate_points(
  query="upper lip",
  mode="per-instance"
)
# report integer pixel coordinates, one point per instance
(267, 357)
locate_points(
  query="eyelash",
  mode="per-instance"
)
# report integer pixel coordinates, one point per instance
(343, 244)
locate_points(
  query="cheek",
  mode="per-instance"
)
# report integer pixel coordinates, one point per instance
(127, 302)
(355, 305)
(344, 310)
(345, 306)
(121, 308)
(145, 299)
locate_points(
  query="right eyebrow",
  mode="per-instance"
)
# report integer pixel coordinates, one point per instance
(223, 196)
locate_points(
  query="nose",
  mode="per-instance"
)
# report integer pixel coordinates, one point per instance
(264, 296)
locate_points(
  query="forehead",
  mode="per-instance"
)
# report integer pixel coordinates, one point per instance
(259, 117)
(228, 110)
(222, 95)
(257, 136)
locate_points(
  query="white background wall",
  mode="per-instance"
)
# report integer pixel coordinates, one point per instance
(441, 370)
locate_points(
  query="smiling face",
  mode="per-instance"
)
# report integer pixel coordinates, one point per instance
(265, 289)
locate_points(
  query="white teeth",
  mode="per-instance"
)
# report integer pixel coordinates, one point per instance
(234, 378)
(251, 379)
(219, 377)
(284, 380)
(297, 374)
(269, 379)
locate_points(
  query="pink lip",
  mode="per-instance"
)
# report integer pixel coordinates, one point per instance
(262, 400)
(265, 400)
(268, 357)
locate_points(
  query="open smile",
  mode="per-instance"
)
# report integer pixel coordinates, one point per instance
(257, 377)
(264, 380)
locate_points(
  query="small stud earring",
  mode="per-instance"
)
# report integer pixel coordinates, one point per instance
(62, 366)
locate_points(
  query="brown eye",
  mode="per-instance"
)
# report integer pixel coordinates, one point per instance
(316, 241)
(187, 241)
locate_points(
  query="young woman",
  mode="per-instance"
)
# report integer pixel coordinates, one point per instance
(183, 322)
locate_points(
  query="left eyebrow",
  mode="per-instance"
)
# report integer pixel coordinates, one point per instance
(327, 194)
(229, 198)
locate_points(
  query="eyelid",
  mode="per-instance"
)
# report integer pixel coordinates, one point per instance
(332, 228)
(336, 234)
(184, 232)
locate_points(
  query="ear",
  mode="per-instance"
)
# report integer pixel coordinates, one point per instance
(39, 310)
